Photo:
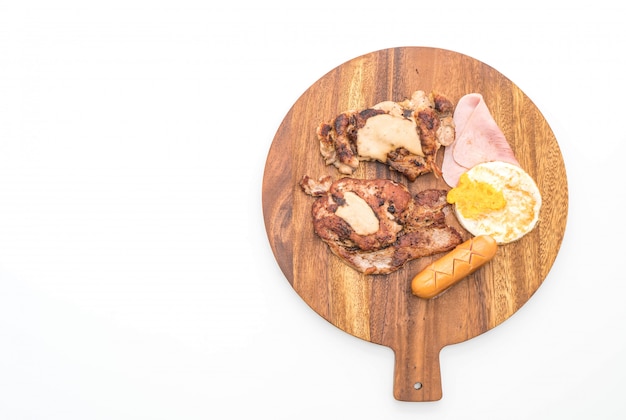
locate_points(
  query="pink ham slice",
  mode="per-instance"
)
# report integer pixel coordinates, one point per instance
(478, 139)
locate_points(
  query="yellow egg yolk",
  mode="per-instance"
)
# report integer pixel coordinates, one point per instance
(475, 198)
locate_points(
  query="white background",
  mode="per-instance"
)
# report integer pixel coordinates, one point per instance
(136, 279)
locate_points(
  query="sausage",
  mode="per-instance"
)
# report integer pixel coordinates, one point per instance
(454, 266)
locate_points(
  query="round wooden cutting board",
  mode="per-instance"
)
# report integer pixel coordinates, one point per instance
(381, 308)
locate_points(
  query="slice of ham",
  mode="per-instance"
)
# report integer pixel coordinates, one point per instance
(478, 139)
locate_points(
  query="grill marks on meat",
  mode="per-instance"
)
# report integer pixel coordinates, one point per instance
(386, 199)
(410, 227)
(338, 139)
(431, 116)
(400, 227)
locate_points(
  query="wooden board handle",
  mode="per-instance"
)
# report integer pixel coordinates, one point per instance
(417, 375)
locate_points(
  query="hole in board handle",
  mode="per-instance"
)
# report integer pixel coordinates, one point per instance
(417, 385)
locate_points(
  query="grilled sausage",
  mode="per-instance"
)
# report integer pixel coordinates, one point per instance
(462, 261)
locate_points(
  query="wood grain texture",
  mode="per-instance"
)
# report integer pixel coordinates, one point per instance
(381, 308)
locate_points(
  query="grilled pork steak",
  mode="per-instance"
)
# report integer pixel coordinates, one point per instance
(404, 135)
(376, 226)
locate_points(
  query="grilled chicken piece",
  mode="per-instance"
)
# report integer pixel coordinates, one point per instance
(376, 226)
(405, 135)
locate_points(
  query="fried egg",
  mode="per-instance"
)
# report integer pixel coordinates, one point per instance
(498, 199)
